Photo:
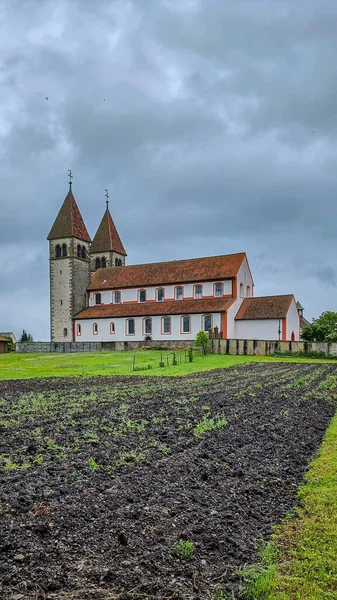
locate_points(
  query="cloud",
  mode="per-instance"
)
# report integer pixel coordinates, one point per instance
(213, 126)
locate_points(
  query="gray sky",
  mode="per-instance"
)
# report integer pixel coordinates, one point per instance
(213, 124)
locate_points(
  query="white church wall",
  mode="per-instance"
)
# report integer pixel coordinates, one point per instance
(293, 322)
(131, 294)
(257, 329)
(231, 313)
(104, 334)
(245, 279)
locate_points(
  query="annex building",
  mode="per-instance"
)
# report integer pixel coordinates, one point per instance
(95, 296)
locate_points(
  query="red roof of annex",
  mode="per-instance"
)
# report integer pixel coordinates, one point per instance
(265, 307)
(172, 272)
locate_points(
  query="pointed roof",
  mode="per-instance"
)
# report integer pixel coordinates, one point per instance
(107, 238)
(69, 222)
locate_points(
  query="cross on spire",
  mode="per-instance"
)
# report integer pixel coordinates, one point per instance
(107, 198)
(70, 178)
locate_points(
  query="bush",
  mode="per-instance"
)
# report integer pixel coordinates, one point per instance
(202, 341)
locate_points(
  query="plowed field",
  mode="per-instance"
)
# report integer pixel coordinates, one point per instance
(101, 477)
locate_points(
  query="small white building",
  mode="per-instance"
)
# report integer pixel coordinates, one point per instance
(95, 297)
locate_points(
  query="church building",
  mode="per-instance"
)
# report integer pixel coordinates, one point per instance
(95, 296)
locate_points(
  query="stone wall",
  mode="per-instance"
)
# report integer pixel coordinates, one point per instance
(266, 347)
(38, 347)
(257, 347)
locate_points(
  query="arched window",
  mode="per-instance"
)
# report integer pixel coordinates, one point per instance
(78, 250)
(241, 290)
(197, 291)
(185, 324)
(160, 295)
(79, 329)
(248, 291)
(95, 329)
(142, 296)
(147, 326)
(98, 298)
(98, 263)
(207, 322)
(58, 251)
(65, 332)
(118, 262)
(112, 328)
(103, 262)
(166, 325)
(293, 336)
(84, 252)
(64, 250)
(130, 327)
(218, 289)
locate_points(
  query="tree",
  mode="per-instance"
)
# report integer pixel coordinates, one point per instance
(202, 341)
(323, 329)
(26, 337)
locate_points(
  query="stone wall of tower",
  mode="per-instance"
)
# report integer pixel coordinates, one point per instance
(69, 279)
(110, 258)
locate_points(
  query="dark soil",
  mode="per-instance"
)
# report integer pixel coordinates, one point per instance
(101, 476)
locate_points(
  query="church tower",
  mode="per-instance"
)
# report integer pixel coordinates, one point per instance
(69, 259)
(107, 249)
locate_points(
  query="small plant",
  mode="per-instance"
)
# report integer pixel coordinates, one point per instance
(174, 359)
(183, 549)
(93, 464)
(190, 354)
(208, 424)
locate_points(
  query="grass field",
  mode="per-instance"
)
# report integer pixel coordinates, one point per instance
(27, 366)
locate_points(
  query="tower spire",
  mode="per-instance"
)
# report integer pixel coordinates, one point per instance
(70, 178)
(107, 198)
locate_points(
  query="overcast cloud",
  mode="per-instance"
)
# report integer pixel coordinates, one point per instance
(213, 124)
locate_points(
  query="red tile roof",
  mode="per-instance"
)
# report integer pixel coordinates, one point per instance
(178, 307)
(265, 307)
(69, 222)
(304, 322)
(107, 238)
(176, 271)
(3, 339)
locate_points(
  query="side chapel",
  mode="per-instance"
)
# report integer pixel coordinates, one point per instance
(94, 296)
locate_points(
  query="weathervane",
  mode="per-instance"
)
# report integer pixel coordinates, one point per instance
(70, 178)
(107, 198)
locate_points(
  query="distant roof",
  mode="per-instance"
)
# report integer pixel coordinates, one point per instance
(176, 307)
(9, 333)
(107, 238)
(265, 307)
(176, 271)
(299, 306)
(3, 339)
(304, 322)
(69, 222)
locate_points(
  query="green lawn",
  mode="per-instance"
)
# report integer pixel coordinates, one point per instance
(300, 563)
(26, 366)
